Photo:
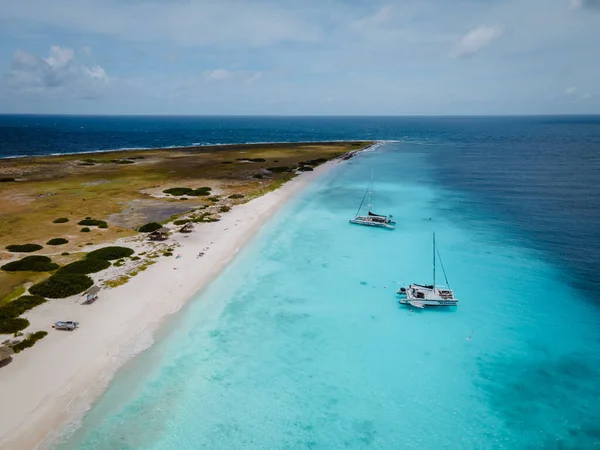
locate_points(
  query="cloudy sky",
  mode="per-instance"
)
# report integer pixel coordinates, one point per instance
(300, 57)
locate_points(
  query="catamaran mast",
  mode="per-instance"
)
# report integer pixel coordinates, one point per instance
(370, 192)
(434, 262)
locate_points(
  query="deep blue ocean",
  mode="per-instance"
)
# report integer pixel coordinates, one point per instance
(300, 342)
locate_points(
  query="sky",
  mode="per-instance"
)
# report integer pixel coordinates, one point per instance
(308, 57)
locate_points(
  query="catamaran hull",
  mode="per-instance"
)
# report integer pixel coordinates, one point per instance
(372, 224)
(422, 302)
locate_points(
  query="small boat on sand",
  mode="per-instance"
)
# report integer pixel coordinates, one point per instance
(421, 295)
(372, 219)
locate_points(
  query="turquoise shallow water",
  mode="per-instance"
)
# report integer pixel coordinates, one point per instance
(301, 343)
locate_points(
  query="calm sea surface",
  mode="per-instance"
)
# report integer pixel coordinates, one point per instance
(300, 343)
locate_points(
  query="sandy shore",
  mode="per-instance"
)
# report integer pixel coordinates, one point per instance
(54, 382)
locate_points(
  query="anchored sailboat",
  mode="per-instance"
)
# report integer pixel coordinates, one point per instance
(372, 219)
(419, 295)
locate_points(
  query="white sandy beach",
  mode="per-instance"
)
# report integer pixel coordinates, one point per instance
(54, 382)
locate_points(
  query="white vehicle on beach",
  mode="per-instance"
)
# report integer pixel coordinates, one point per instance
(68, 325)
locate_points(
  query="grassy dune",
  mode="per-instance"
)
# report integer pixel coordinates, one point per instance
(125, 189)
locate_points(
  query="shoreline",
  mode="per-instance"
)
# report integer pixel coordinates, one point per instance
(51, 386)
(197, 146)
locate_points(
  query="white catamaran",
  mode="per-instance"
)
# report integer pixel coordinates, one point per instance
(372, 219)
(419, 295)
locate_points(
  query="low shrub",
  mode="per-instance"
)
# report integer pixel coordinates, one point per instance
(213, 199)
(257, 175)
(110, 253)
(236, 196)
(135, 258)
(85, 266)
(224, 209)
(62, 285)
(122, 161)
(57, 241)
(305, 169)
(29, 341)
(6, 179)
(315, 162)
(150, 227)
(24, 248)
(257, 160)
(119, 263)
(179, 191)
(65, 254)
(36, 263)
(13, 325)
(85, 230)
(93, 222)
(167, 254)
(279, 169)
(226, 162)
(181, 221)
(17, 307)
(60, 220)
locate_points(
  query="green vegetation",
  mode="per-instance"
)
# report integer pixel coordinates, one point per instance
(224, 209)
(85, 266)
(60, 220)
(135, 258)
(93, 222)
(10, 322)
(12, 325)
(62, 285)
(236, 196)
(91, 161)
(167, 254)
(305, 169)
(117, 282)
(35, 263)
(57, 241)
(179, 191)
(150, 227)
(279, 169)
(85, 230)
(24, 248)
(110, 253)
(204, 218)
(20, 305)
(65, 254)
(29, 341)
(213, 199)
(181, 221)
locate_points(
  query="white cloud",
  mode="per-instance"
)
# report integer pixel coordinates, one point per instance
(476, 40)
(379, 18)
(34, 74)
(583, 4)
(188, 23)
(571, 90)
(59, 57)
(218, 74)
(224, 74)
(95, 72)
